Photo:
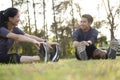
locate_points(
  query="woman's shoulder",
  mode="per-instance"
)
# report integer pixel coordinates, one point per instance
(3, 28)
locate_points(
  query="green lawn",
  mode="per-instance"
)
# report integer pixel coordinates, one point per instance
(65, 69)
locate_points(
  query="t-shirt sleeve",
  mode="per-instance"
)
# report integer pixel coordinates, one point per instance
(75, 36)
(3, 32)
(18, 31)
(94, 36)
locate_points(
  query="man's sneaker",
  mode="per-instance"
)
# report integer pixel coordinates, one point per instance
(113, 49)
(81, 52)
(55, 53)
(44, 52)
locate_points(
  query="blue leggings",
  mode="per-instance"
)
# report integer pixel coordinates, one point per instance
(10, 58)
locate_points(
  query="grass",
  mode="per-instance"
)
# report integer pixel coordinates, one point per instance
(65, 69)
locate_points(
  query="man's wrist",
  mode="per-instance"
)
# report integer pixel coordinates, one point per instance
(89, 42)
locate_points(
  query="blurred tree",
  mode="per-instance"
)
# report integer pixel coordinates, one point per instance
(112, 16)
(102, 42)
(12, 3)
(62, 26)
(54, 25)
(44, 21)
(34, 8)
(28, 12)
(99, 24)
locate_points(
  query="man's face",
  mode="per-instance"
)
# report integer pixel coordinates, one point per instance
(84, 24)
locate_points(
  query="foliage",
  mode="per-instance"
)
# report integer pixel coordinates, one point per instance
(112, 16)
(98, 24)
(62, 25)
(102, 41)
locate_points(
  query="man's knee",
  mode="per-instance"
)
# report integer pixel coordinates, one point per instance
(99, 54)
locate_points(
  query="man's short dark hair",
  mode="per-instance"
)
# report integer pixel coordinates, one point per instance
(89, 17)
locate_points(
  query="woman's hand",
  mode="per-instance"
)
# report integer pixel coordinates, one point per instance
(37, 44)
(49, 44)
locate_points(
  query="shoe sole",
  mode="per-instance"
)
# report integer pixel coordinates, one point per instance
(112, 54)
(81, 52)
(113, 49)
(57, 53)
(114, 44)
(46, 58)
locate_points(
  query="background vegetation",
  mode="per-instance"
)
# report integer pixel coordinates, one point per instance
(60, 27)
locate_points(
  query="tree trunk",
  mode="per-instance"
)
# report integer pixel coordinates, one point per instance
(12, 3)
(73, 22)
(55, 23)
(44, 19)
(35, 17)
(28, 17)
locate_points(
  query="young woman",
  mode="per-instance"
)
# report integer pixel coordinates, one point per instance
(9, 32)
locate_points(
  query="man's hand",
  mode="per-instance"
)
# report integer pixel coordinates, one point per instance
(90, 42)
(85, 43)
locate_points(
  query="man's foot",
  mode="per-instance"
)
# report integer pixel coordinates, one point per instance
(81, 52)
(113, 49)
(55, 53)
(44, 52)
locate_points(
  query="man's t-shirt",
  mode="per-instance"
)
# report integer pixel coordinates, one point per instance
(79, 35)
(6, 43)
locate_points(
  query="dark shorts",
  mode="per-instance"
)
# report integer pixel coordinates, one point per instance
(9, 58)
(89, 50)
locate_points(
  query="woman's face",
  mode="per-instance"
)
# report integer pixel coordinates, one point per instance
(14, 20)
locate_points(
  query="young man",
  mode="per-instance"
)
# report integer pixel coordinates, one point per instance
(84, 39)
(9, 32)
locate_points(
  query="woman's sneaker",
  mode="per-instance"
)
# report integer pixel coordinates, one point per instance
(55, 53)
(81, 52)
(114, 44)
(44, 52)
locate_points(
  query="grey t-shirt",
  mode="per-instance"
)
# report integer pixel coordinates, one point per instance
(79, 35)
(6, 43)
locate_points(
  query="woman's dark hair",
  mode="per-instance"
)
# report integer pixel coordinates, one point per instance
(5, 14)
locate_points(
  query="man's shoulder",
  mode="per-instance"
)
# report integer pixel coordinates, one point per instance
(77, 30)
(94, 30)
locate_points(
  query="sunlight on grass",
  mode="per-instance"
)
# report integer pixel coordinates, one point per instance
(65, 69)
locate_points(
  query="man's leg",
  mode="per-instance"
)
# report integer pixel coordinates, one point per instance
(111, 52)
(99, 54)
(95, 53)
